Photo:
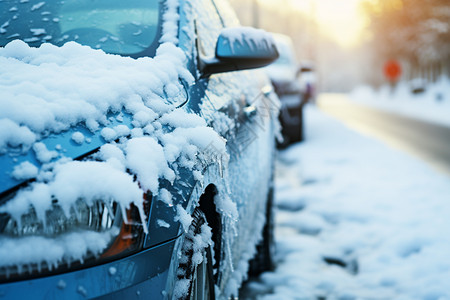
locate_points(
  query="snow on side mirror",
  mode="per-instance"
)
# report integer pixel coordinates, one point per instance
(241, 48)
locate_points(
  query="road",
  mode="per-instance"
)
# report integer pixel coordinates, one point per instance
(427, 141)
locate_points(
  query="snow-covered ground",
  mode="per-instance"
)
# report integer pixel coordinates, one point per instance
(432, 105)
(357, 220)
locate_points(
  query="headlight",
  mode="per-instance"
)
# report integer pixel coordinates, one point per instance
(33, 246)
(98, 217)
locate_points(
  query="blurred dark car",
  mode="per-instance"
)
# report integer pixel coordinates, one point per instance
(160, 247)
(294, 84)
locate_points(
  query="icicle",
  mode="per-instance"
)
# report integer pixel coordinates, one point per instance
(124, 215)
(229, 254)
(55, 264)
(19, 268)
(49, 265)
(18, 223)
(220, 167)
(108, 205)
(66, 208)
(142, 216)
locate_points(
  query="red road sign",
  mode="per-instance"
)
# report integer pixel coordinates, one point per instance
(392, 70)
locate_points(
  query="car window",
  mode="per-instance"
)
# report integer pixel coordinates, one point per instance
(116, 26)
(229, 17)
(208, 25)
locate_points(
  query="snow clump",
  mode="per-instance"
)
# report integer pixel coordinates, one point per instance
(48, 90)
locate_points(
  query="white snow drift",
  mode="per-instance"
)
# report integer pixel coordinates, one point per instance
(379, 217)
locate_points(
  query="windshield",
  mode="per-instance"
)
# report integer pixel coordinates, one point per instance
(125, 27)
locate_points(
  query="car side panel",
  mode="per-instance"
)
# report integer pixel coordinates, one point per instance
(239, 107)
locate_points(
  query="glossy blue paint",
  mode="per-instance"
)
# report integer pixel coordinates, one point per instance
(62, 143)
(248, 44)
(142, 274)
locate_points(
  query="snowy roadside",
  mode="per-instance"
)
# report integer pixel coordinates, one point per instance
(433, 105)
(379, 217)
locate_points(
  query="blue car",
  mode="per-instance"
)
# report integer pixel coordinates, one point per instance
(136, 149)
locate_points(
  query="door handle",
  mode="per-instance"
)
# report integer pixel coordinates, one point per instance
(250, 111)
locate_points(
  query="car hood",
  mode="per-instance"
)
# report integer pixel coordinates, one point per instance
(63, 145)
(58, 102)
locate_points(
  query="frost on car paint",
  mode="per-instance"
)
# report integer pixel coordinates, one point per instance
(48, 90)
(251, 34)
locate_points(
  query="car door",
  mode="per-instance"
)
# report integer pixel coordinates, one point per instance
(239, 105)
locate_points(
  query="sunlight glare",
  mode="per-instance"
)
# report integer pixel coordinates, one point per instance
(340, 19)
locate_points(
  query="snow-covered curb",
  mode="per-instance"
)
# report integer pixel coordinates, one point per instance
(379, 217)
(433, 105)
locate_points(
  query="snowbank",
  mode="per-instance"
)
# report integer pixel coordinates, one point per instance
(357, 220)
(433, 105)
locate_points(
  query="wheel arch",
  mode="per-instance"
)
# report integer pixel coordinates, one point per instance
(214, 219)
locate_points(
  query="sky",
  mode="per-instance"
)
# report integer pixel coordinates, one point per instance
(340, 19)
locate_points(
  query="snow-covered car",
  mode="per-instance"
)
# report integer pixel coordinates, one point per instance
(294, 83)
(136, 157)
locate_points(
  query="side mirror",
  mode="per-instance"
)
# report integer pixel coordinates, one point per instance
(240, 48)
